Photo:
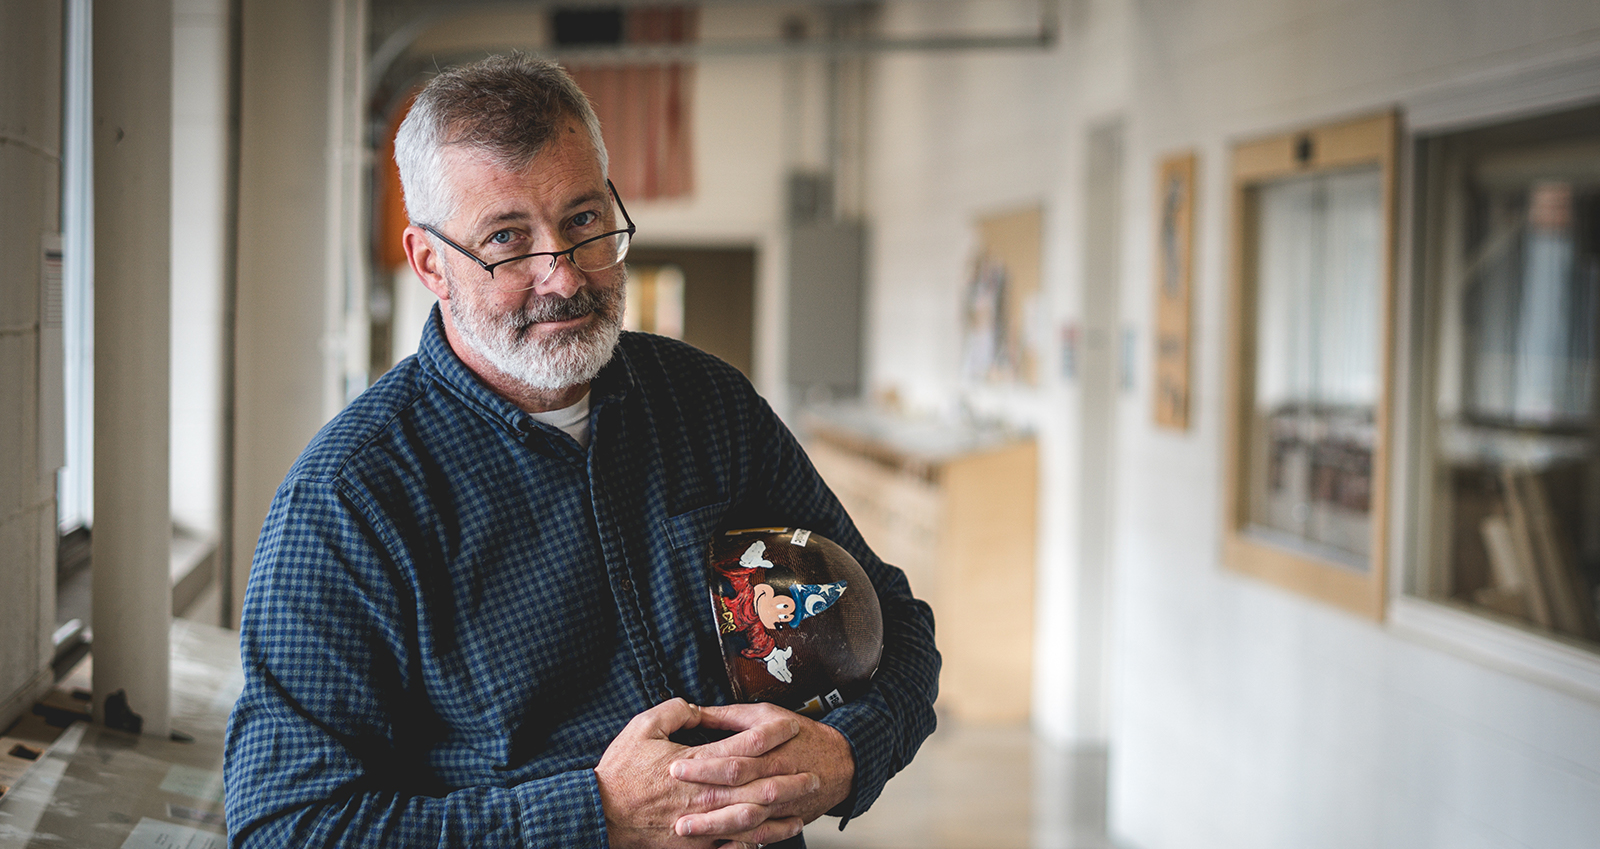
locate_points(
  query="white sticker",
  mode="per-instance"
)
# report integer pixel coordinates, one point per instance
(155, 834)
(800, 537)
(834, 699)
(184, 812)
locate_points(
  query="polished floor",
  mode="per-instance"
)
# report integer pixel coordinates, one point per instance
(983, 787)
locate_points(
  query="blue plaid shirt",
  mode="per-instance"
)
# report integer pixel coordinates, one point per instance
(453, 609)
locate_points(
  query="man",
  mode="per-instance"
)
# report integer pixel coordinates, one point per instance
(478, 611)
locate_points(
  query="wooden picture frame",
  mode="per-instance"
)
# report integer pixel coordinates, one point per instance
(1175, 202)
(1274, 446)
(1000, 302)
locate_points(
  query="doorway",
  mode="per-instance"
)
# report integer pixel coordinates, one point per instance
(718, 296)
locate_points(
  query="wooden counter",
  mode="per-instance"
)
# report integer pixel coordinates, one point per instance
(956, 509)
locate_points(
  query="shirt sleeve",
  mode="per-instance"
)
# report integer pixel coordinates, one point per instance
(327, 746)
(886, 725)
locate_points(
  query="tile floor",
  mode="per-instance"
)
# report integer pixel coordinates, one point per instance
(96, 788)
(983, 787)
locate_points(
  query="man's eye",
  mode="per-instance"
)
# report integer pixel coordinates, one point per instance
(584, 219)
(503, 237)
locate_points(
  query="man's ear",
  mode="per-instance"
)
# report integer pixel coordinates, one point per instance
(425, 261)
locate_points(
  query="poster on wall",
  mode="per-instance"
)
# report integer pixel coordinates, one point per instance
(1000, 303)
(1175, 186)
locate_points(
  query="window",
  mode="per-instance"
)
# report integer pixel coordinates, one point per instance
(1309, 412)
(1509, 431)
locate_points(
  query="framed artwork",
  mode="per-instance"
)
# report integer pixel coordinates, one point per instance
(1175, 186)
(999, 337)
(1309, 434)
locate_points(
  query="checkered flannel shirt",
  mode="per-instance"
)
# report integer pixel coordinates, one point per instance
(453, 609)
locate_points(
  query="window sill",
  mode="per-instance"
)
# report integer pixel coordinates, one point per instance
(1544, 659)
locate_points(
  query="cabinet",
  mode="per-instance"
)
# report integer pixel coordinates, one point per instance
(955, 508)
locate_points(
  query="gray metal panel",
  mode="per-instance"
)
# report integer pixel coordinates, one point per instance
(825, 307)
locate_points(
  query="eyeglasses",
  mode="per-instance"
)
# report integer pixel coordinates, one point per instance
(594, 254)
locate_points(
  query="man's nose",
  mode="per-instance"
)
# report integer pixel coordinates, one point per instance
(564, 278)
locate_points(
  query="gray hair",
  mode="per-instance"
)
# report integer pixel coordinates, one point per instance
(506, 107)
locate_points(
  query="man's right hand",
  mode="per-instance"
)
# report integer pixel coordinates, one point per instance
(643, 802)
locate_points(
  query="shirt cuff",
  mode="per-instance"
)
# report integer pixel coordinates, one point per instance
(870, 734)
(563, 810)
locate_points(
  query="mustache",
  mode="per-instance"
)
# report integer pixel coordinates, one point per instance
(556, 308)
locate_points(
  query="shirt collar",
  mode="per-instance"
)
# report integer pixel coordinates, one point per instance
(611, 385)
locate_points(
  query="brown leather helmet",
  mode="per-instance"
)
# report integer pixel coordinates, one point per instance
(796, 616)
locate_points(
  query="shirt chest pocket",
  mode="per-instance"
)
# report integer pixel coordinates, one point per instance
(692, 530)
(684, 541)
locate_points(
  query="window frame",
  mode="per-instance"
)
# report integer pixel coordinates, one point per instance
(1371, 140)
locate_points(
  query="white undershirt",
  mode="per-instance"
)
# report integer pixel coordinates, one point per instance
(574, 420)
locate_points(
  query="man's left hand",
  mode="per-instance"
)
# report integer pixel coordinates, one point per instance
(817, 749)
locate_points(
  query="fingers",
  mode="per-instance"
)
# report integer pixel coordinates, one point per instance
(728, 772)
(761, 728)
(738, 813)
(769, 792)
(817, 750)
(751, 826)
(654, 792)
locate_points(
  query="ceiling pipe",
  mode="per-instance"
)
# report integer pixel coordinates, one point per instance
(831, 47)
(393, 47)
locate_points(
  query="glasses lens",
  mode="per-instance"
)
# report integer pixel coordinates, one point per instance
(528, 272)
(602, 253)
(520, 274)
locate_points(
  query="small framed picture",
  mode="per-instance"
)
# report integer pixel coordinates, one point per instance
(1175, 187)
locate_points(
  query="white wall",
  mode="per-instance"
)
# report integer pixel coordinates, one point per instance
(30, 208)
(1241, 716)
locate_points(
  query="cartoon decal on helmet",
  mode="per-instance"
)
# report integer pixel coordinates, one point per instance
(750, 607)
(796, 618)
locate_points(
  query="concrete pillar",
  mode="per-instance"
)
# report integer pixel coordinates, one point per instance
(132, 517)
(288, 349)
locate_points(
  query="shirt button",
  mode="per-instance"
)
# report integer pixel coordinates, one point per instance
(626, 584)
(663, 694)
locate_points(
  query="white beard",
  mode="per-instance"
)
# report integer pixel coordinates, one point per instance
(546, 363)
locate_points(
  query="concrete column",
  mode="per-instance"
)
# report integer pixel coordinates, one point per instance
(287, 158)
(133, 204)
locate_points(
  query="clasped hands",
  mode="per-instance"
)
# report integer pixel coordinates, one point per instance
(777, 772)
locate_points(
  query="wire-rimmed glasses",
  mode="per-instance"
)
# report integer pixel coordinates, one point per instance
(595, 254)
